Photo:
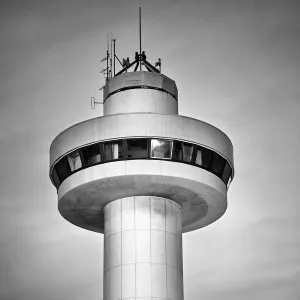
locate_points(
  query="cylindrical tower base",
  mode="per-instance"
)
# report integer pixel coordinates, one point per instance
(143, 249)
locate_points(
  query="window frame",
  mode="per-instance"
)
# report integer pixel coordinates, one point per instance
(212, 160)
(85, 164)
(161, 158)
(64, 158)
(202, 150)
(147, 149)
(226, 179)
(70, 155)
(57, 182)
(119, 141)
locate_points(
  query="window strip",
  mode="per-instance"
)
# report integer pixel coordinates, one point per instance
(63, 170)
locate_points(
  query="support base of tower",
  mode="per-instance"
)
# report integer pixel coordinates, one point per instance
(143, 249)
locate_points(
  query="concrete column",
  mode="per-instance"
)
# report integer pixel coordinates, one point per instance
(143, 249)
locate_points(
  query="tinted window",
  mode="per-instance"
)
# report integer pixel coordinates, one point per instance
(187, 152)
(161, 148)
(218, 163)
(137, 148)
(198, 160)
(91, 155)
(226, 173)
(177, 155)
(203, 157)
(55, 178)
(62, 169)
(113, 150)
(74, 161)
(182, 151)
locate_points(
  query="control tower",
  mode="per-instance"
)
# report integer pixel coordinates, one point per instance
(141, 175)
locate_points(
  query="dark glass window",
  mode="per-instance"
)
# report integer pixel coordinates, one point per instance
(74, 161)
(218, 163)
(55, 178)
(183, 151)
(62, 169)
(91, 155)
(187, 152)
(226, 173)
(113, 150)
(203, 157)
(161, 148)
(177, 155)
(137, 148)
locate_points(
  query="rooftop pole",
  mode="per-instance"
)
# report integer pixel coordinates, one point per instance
(111, 54)
(114, 40)
(140, 29)
(107, 56)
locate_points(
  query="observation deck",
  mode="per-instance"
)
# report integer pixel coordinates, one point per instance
(141, 146)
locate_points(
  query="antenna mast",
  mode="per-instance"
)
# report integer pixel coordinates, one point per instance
(114, 40)
(111, 54)
(140, 29)
(107, 56)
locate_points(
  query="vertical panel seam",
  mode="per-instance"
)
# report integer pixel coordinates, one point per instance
(177, 254)
(135, 294)
(165, 204)
(121, 250)
(150, 207)
(109, 240)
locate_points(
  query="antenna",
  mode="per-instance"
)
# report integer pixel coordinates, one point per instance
(114, 40)
(111, 52)
(140, 29)
(107, 56)
(94, 102)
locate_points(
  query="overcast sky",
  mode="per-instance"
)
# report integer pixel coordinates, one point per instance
(236, 65)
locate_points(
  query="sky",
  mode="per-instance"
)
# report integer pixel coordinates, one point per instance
(237, 67)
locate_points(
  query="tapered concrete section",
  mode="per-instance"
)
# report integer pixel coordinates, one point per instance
(143, 249)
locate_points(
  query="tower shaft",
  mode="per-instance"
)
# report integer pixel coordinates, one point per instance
(143, 249)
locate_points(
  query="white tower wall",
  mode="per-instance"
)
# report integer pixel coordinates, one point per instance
(143, 249)
(140, 100)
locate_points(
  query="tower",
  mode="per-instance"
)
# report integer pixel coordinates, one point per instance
(142, 175)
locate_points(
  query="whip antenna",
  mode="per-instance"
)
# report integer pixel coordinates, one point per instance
(140, 30)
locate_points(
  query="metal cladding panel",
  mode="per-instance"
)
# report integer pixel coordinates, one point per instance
(115, 249)
(128, 281)
(142, 244)
(133, 79)
(159, 285)
(128, 247)
(153, 79)
(158, 219)
(158, 246)
(171, 249)
(115, 283)
(143, 280)
(170, 86)
(171, 282)
(141, 125)
(128, 213)
(113, 85)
